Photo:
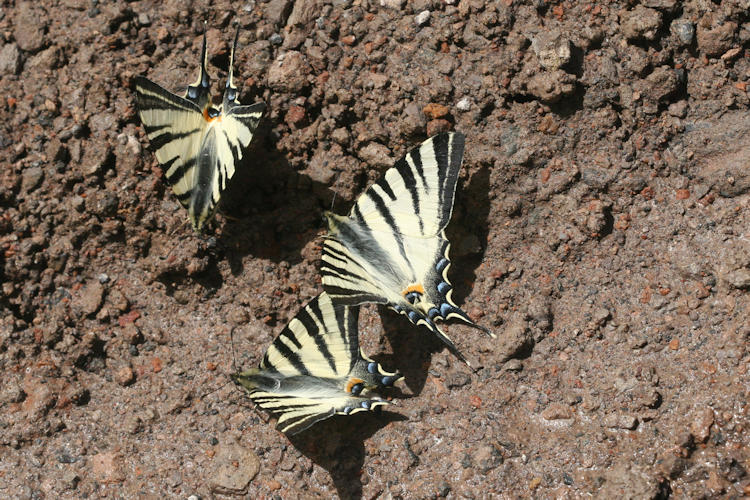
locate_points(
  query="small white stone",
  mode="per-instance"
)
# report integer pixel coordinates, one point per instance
(393, 4)
(464, 104)
(422, 17)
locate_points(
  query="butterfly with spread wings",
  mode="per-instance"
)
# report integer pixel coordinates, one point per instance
(198, 145)
(315, 369)
(391, 248)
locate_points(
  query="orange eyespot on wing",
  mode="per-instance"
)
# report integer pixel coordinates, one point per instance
(208, 117)
(413, 288)
(352, 382)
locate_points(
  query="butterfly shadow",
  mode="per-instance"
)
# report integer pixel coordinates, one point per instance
(468, 233)
(338, 445)
(412, 346)
(271, 210)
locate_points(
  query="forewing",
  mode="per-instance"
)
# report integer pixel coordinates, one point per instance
(234, 132)
(315, 343)
(175, 127)
(415, 197)
(355, 273)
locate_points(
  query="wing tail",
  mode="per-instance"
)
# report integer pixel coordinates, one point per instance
(200, 91)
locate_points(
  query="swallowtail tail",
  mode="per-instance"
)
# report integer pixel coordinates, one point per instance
(315, 369)
(197, 144)
(391, 248)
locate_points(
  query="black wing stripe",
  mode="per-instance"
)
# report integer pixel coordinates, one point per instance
(386, 188)
(407, 175)
(161, 140)
(180, 171)
(289, 334)
(416, 158)
(290, 356)
(440, 146)
(388, 217)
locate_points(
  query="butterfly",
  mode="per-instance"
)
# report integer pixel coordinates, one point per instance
(315, 369)
(391, 248)
(197, 144)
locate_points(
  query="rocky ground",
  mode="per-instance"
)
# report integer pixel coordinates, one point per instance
(600, 230)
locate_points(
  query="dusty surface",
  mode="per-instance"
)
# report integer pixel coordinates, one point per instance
(600, 229)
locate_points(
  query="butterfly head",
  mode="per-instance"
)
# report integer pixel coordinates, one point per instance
(333, 221)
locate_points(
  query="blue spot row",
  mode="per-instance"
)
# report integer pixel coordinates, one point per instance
(443, 287)
(442, 264)
(445, 309)
(433, 312)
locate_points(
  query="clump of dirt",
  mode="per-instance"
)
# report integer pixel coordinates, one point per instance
(600, 230)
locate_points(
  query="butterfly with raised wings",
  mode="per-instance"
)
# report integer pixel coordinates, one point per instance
(198, 145)
(315, 369)
(391, 248)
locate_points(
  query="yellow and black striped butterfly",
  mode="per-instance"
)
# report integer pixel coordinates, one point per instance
(392, 248)
(315, 369)
(197, 144)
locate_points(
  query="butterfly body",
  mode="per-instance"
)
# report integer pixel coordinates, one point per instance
(315, 369)
(197, 144)
(391, 248)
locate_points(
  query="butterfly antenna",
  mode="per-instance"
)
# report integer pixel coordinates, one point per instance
(234, 354)
(338, 174)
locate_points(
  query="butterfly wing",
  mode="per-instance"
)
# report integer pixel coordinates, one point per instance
(176, 127)
(392, 248)
(314, 369)
(415, 197)
(367, 260)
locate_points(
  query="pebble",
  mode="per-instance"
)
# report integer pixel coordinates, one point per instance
(144, 19)
(89, 299)
(641, 23)
(550, 87)
(678, 109)
(10, 59)
(513, 365)
(103, 278)
(556, 411)
(393, 4)
(715, 36)
(739, 278)
(619, 421)
(31, 178)
(233, 468)
(29, 27)
(124, 376)
(376, 155)
(464, 104)
(434, 110)
(107, 467)
(295, 116)
(514, 339)
(422, 18)
(276, 39)
(552, 49)
(700, 427)
(288, 73)
(438, 126)
(683, 30)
